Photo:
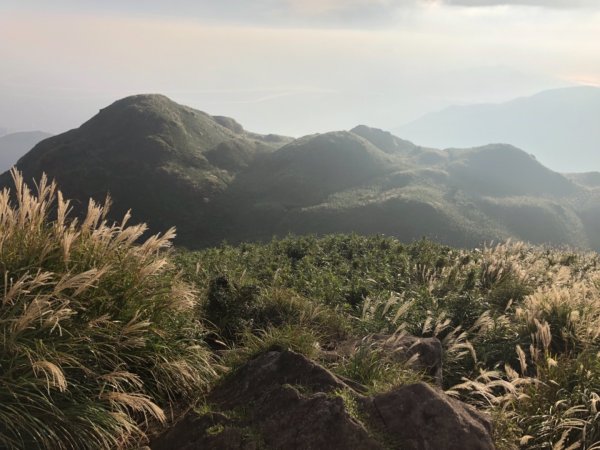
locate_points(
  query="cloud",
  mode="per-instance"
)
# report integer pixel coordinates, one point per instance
(564, 4)
(350, 14)
(287, 66)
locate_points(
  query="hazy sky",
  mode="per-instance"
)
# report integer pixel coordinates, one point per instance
(288, 66)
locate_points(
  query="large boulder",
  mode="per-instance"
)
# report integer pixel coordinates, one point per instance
(270, 370)
(282, 400)
(418, 417)
(279, 400)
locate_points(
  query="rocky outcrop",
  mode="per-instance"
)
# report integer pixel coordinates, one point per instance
(282, 400)
(279, 400)
(422, 418)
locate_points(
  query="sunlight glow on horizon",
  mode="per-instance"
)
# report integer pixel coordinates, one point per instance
(288, 78)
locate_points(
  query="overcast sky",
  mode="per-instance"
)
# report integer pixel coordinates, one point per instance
(288, 66)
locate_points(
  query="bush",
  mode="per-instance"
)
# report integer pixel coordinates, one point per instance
(371, 367)
(234, 308)
(283, 307)
(95, 330)
(230, 307)
(293, 338)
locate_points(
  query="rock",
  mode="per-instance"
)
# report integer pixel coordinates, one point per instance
(214, 431)
(282, 400)
(273, 369)
(421, 418)
(291, 420)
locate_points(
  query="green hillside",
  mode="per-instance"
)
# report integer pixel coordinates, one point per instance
(335, 183)
(214, 181)
(311, 168)
(165, 161)
(503, 170)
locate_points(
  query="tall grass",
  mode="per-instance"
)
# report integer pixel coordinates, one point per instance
(96, 329)
(550, 391)
(519, 324)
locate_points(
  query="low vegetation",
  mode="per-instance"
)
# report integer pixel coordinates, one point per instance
(104, 331)
(520, 325)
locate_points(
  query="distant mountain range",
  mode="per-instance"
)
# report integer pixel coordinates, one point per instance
(559, 126)
(15, 145)
(215, 181)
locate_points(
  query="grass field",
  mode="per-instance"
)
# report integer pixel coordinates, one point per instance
(104, 335)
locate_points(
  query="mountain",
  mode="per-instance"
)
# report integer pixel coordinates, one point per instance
(215, 181)
(165, 161)
(463, 197)
(558, 126)
(311, 168)
(502, 170)
(15, 145)
(589, 179)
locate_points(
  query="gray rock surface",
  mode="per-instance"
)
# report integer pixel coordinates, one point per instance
(282, 400)
(419, 417)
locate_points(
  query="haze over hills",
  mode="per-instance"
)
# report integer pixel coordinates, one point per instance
(15, 145)
(559, 126)
(174, 165)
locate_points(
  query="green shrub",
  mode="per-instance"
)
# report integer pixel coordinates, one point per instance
(294, 338)
(235, 308)
(370, 366)
(95, 330)
(230, 307)
(282, 307)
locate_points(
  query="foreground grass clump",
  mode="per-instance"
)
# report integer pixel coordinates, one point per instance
(520, 324)
(95, 330)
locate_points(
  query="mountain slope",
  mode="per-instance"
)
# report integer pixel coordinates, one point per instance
(589, 179)
(389, 143)
(340, 182)
(558, 126)
(152, 155)
(215, 181)
(503, 170)
(310, 168)
(15, 145)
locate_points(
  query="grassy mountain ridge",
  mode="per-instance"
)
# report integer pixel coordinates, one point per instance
(589, 179)
(149, 152)
(499, 169)
(174, 165)
(460, 196)
(310, 168)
